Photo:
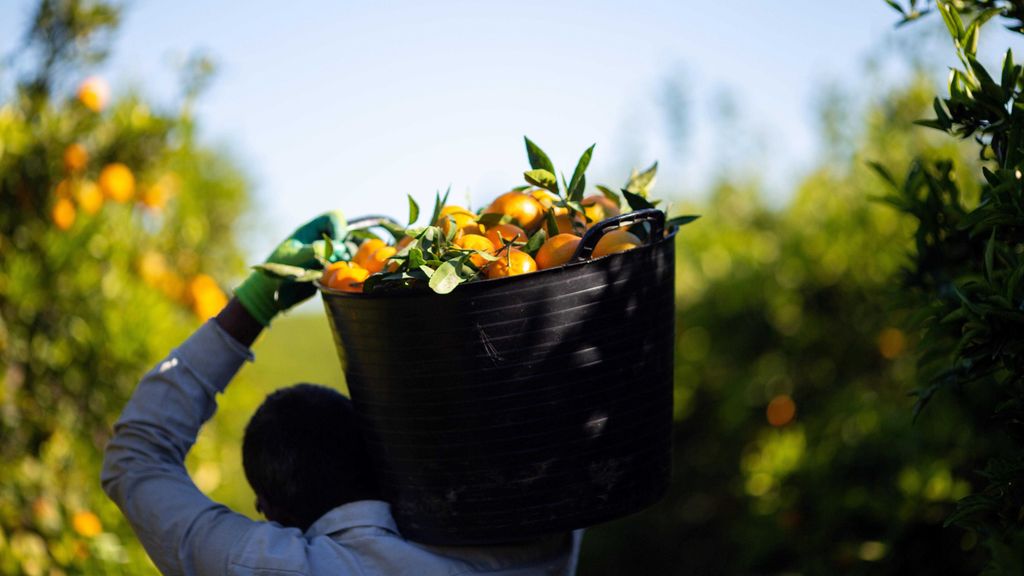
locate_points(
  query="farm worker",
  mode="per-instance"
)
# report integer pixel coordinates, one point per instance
(302, 454)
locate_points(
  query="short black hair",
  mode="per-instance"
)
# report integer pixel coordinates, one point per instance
(303, 453)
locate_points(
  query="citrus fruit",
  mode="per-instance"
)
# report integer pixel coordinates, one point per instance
(344, 276)
(89, 197)
(75, 157)
(548, 199)
(508, 232)
(375, 263)
(207, 297)
(465, 221)
(565, 223)
(512, 263)
(366, 250)
(526, 209)
(557, 251)
(63, 214)
(117, 182)
(93, 93)
(616, 241)
(598, 207)
(405, 241)
(476, 242)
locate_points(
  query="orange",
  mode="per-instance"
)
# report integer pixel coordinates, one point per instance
(375, 263)
(89, 197)
(207, 297)
(117, 182)
(86, 524)
(557, 251)
(476, 242)
(465, 221)
(513, 263)
(508, 232)
(598, 207)
(94, 92)
(615, 241)
(366, 250)
(526, 209)
(345, 276)
(565, 223)
(780, 410)
(75, 157)
(63, 214)
(403, 243)
(548, 199)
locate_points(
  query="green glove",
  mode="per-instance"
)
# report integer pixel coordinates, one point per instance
(264, 296)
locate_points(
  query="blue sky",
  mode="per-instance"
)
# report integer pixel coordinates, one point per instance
(353, 105)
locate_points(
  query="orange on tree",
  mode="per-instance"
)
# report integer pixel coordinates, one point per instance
(206, 296)
(476, 242)
(524, 208)
(506, 232)
(345, 276)
(89, 196)
(94, 92)
(618, 240)
(117, 182)
(63, 214)
(75, 158)
(465, 221)
(598, 207)
(510, 263)
(557, 251)
(86, 524)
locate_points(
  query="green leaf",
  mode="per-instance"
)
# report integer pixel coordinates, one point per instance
(641, 183)
(542, 178)
(439, 203)
(445, 278)
(610, 194)
(883, 172)
(551, 223)
(414, 210)
(1008, 78)
(286, 272)
(636, 201)
(415, 258)
(535, 242)
(990, 248)
(578, 182)
(538, 159)
(328, 247)
(681, 220)
(952, 19)
(896, 6)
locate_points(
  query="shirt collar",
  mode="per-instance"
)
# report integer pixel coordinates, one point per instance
(374, 513)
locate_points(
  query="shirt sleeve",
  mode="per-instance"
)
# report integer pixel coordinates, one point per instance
(144, 473)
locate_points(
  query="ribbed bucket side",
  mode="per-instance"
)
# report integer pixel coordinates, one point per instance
(515, 408)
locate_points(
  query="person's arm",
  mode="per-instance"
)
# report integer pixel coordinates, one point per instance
(144, 473)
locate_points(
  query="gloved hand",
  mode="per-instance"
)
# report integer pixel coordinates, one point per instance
(264, 296)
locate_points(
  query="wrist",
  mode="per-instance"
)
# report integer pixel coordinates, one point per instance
(239, 323)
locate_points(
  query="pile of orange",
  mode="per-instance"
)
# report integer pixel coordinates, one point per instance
(498, 242)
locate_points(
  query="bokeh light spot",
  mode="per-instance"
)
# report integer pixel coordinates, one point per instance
(781, 410)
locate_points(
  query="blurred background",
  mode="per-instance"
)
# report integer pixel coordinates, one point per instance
(150, 151)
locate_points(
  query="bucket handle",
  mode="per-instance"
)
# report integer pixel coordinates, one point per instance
(593, 236)
(371, 221)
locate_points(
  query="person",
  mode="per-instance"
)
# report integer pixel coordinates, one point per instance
(302, 456)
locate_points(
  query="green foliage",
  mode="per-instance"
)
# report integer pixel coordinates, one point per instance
(791, 303)
(966, 271)
(101, 272)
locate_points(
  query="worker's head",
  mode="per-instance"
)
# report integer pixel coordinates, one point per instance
(303, 455)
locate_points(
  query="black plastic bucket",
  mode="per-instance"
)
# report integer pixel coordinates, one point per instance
(522, 406)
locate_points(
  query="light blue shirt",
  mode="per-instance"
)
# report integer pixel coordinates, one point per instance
(186, 533)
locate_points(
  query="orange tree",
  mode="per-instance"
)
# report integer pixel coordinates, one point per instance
(794, 446)
(115, 222)
(967, 270)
